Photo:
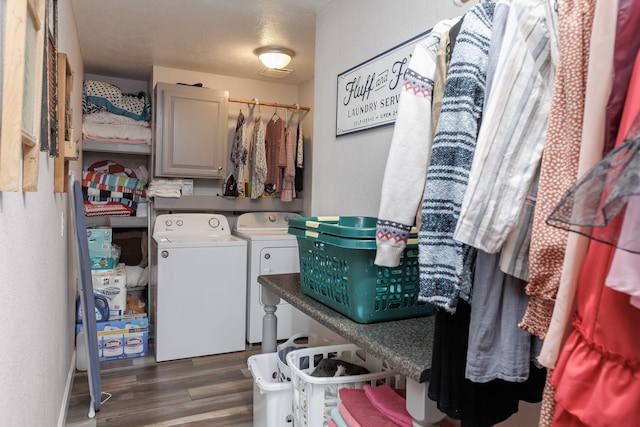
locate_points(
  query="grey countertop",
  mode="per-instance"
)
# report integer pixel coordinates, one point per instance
(405, 344)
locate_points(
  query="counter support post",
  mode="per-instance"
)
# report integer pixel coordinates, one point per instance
(423, 410)
(269, 321)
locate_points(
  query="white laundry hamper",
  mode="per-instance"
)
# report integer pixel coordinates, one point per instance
(272, 404)
(295, 342)
(314, 397)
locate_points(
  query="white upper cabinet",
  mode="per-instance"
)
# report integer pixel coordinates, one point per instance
(191, 131)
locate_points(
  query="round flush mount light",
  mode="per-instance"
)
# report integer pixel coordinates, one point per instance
(275, 57)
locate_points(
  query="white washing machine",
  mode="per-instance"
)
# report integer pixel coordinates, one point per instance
(201, 286)
(270, 250)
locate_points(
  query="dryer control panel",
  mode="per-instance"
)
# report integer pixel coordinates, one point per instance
(262, 221)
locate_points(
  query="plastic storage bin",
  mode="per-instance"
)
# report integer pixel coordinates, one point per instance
(337, 268)
(313, 397)
(272, 406)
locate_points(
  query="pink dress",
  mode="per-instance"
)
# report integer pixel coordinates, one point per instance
(597, 377)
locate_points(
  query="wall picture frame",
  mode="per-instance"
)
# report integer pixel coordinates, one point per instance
(49, 117)
(21, 55)
(368, 93)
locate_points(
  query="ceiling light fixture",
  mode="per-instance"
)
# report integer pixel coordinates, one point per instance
(275, 57)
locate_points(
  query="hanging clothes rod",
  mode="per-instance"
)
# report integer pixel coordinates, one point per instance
(270, 104)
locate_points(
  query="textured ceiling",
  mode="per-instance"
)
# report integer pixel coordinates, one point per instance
(125, 38)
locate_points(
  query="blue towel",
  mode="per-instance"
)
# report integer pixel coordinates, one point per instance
(337, 418)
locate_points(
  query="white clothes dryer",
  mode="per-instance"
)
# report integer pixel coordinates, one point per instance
(270, 250)
(201, 286)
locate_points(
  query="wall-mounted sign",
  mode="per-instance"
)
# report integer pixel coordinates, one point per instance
(368, 93)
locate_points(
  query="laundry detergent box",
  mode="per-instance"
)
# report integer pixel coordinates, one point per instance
(122, 338)
(112, 284)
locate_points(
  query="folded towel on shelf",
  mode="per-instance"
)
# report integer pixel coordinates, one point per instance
(337, 418)
(109, 118)
(346, 415)
(113, 180)
(90, 186)
(104, 194)
(165, 188)
(94, 208)
(107, 140)
(127, 132)
(390, 403)
(124, 201)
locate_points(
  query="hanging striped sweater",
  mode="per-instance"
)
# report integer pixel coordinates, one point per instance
(446, 266)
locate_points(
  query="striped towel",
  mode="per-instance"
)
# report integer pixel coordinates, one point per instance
(130, 203)
(113, 180)
(106, 208)
(120, 189)
(105, 194)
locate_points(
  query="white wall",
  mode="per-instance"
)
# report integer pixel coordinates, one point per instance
(37, 297)
(306, 99)
(37, 292)
(277, 91)
(348, 171)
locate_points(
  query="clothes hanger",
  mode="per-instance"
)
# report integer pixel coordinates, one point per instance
(275, 116)
(288, 120)
(302, 113)
(241, 116)
(256, 104)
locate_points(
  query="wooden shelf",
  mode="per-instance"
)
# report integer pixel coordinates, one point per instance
(226, 204)
(61, 164)
(115, 147)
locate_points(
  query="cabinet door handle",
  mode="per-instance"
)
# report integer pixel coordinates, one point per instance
(219, 168)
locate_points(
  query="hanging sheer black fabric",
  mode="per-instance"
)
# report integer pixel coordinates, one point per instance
(603, 193)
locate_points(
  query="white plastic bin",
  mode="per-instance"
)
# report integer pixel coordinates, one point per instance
(272, 405)
(313, 398)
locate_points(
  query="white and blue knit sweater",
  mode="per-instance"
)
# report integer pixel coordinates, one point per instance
(410, 151)
(446, 266)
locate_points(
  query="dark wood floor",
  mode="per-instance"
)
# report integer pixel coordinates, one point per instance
(203, 391)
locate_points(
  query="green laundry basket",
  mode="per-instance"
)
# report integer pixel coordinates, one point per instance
(337, 268)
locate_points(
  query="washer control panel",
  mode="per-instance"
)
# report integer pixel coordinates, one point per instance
(191, 224)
